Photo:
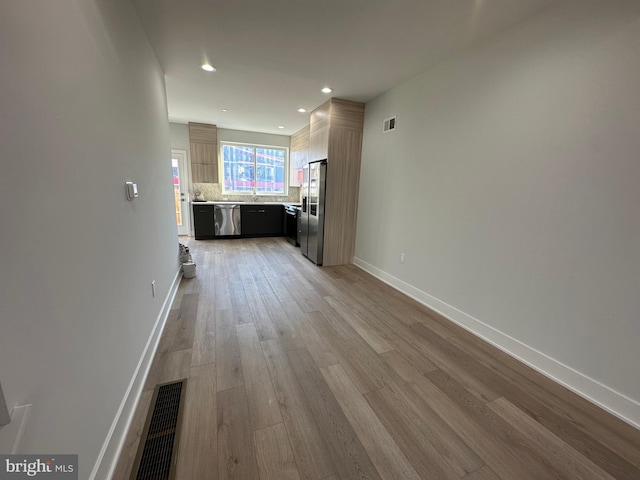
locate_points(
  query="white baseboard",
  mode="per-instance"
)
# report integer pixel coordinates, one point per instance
(108, 458)
(614, 402)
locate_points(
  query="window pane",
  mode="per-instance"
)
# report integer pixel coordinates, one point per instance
(270, 170)
(239, 168)
(251, 170)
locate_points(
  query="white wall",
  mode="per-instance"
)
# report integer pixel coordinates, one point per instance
(211, 191)
(83, 110)
(241, 136)
(512, 184)
(179, 136)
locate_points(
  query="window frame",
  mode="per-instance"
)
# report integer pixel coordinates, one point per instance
(255, 193)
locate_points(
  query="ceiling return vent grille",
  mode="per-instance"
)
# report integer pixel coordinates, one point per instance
(158, 450)
(389, 125)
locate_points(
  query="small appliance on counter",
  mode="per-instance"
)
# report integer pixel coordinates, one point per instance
(198, 197)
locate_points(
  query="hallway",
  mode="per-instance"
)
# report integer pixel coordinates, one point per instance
(301, 372)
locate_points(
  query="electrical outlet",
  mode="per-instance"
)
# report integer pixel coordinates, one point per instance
(402, 256)
(153, 289)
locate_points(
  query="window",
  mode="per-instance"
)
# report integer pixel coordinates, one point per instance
(254, 169)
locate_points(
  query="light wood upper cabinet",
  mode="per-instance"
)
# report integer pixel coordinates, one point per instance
(300, 140)
(319, 132)
(298, 154)
(203, 141)
(336, 134)
(346, 115)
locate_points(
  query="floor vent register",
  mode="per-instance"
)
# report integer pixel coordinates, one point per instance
(158, 450)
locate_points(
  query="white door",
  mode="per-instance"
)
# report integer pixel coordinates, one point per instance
(180, 190)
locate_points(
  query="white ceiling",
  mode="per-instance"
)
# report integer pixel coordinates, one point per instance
(274, 56)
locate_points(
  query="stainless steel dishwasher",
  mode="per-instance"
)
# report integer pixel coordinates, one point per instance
(226, 220)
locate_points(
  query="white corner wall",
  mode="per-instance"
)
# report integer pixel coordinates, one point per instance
(180, 137)
(83, 110)
(512, 184)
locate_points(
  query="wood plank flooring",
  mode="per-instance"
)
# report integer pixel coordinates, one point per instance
(301, 372)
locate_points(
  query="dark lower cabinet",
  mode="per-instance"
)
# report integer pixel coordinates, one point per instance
(203, 224)
(257, 221)
(261, 220)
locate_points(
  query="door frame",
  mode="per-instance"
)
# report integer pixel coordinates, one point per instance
(184, 167)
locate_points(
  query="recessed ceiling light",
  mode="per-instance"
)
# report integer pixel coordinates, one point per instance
(280, 126)
(327, 90)
(208, 68)
(225, 110)
(302, 110)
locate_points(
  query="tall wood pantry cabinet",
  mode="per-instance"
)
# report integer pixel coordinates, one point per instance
(335, 133)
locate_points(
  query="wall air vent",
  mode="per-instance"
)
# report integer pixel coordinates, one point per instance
(389, 125)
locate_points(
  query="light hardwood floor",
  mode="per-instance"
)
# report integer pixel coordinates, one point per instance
(301, 372)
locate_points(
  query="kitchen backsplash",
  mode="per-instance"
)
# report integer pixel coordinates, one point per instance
(213, 191)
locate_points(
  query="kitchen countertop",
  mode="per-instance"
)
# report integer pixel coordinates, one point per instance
(228, 202)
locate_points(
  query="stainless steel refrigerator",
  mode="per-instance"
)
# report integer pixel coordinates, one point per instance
(314, 177)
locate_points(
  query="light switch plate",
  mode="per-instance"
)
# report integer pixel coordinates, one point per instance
(132, 190)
